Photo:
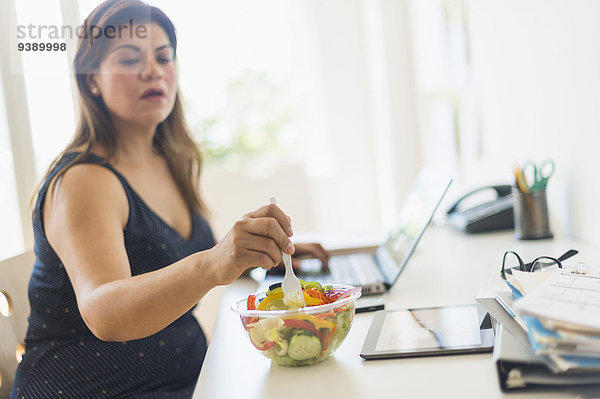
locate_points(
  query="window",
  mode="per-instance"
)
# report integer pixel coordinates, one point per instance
(48, 84)
(239, 76)
(41, 114)
(11, 237)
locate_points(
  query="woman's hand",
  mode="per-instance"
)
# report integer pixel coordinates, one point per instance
(312, 250)
(257, 239)
(304, 251)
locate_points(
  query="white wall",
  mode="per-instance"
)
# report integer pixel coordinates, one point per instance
(347, 196)
(537, 68)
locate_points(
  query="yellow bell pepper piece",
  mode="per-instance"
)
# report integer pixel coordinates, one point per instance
(310, 301)
(263, 304)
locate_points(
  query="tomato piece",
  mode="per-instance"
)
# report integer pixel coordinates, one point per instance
(251, 303)
(303, 325)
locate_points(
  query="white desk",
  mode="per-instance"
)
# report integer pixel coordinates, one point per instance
(447, 268)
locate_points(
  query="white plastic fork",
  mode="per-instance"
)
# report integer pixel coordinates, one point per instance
(291, 287)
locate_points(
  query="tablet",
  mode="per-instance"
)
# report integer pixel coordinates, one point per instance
(443, 330)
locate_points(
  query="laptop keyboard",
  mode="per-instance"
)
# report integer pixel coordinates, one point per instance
(355, 269)
(341, 269)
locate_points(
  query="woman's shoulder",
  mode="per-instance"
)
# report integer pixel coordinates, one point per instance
(90, 174)
(90, 186)
(90, 170)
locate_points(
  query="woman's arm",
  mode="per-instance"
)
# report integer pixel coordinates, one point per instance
(84, 221)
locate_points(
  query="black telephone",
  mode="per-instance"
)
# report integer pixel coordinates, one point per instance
(487, 216)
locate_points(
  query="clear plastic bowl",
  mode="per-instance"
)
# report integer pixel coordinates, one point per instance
(298, 337)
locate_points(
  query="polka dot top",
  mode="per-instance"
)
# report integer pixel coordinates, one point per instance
(63, 359)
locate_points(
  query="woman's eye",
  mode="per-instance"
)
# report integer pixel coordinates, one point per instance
(129, 61)
(164, 60)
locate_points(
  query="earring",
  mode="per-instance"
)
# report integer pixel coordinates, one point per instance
(94, 90)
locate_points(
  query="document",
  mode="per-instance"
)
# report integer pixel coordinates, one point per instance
(566, 297)
(527, 282)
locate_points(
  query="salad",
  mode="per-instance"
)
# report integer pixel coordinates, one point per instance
(304, 337)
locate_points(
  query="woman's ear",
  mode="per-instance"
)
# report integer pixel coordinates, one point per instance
(92, 85)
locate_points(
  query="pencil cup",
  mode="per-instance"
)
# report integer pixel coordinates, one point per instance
(531, 215)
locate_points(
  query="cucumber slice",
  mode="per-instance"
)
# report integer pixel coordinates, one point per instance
(304, 347)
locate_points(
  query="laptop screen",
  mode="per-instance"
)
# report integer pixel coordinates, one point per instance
(415, 215)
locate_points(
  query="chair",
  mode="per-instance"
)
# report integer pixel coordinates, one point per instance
(14, 310)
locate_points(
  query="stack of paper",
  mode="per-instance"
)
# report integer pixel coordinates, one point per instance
(547, 333)
(561, 310)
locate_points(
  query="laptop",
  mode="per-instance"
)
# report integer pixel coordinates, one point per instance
(377, 270)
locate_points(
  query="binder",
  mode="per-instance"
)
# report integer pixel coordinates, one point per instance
(518, 368)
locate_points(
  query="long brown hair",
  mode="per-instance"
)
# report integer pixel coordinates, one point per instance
(172, 138)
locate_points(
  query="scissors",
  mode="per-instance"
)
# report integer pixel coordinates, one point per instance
(536, 177)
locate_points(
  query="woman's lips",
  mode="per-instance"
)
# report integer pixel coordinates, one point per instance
(153, 94)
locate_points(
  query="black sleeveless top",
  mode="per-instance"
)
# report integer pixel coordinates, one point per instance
(63, 359)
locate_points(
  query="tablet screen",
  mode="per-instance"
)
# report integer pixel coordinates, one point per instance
(428, 331)
(429, 328)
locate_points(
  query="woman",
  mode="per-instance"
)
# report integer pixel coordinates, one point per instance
(123, 252)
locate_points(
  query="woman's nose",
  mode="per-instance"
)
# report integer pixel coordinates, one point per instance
(150, 69)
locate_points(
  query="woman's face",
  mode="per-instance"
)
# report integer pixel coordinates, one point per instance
(137, 78)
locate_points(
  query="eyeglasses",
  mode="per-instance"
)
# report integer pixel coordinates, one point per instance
(541, 263)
